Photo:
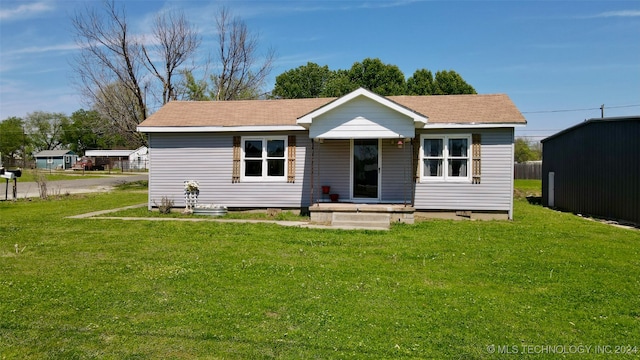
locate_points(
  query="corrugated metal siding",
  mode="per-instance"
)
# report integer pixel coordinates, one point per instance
(207, 158)
(597, 169)
(362, 118)
(495, 191)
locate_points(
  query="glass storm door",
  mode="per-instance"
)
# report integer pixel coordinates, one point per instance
(365, 169)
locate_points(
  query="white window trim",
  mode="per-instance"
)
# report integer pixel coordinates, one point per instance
(264, 177)
(445, 163)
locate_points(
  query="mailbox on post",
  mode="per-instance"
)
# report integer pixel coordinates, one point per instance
(8, 175)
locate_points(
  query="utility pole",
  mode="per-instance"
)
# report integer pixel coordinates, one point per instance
(602, 111)
(24, 142)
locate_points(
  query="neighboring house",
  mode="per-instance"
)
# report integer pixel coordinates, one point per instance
(120, 159)
(55, 159)
(139, 159)
(450, 154)
(593, 168)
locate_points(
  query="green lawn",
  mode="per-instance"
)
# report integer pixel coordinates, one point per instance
(55, 175)
(97, 288)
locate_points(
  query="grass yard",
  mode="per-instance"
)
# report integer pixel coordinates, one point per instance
(97, 288)
(55, 175)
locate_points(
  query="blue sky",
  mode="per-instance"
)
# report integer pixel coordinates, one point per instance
(557, 60)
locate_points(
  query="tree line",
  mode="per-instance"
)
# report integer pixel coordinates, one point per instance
(527, 150)
(122, 77)
(20, 138)
(312, 81)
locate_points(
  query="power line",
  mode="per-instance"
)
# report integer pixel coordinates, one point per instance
(584, 109)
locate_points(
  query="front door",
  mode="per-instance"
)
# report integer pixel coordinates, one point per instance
(365, 169)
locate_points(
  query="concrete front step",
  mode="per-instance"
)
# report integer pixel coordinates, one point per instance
(351, 220)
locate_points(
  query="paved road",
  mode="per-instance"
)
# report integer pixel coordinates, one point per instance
(30, 189)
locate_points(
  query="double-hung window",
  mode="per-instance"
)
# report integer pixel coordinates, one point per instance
(445, 158)
(264, 158)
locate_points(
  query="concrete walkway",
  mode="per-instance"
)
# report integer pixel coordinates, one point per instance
(78, 186)
(96, 215)
(108, 182)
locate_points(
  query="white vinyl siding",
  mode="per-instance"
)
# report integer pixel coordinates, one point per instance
(397, 171)
(362, 118)
(332, 168)
(208, 159)
(494, 193)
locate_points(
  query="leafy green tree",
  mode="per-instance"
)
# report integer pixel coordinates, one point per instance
(420, 83)
(46, 130)
(383, 79)
(451, 83)
(313, 80)
(12, 140)
(339, 84)
(526, 150)
(86, 130)
(306, 81)
(195, 90)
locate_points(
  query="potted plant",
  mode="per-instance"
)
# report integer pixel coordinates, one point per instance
(334, 197)
(326, 189)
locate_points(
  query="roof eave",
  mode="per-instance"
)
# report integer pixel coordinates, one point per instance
(196, 129)
(471, 125)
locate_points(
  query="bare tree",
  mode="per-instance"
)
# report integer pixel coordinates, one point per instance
(116, 69)
(241, 76)
(174, 42)
(110, 55)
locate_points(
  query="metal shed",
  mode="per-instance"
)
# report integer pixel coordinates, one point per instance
(593, 168)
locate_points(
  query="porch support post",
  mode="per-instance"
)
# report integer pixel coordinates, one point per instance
(313, 155)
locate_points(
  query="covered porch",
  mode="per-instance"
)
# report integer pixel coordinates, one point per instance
(362, 160)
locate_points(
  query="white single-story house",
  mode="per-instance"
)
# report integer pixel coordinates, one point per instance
(55, 159)
(122, 159)
(437, 155)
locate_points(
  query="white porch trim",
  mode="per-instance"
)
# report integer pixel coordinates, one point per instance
(419, 120)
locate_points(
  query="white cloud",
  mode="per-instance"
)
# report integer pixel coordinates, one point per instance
(25, 11)
(612, 14)
(43, 49)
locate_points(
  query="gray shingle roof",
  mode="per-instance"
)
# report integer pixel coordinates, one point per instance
(54, 153)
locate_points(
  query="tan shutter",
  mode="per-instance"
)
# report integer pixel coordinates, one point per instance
(416, 158)
(235, 176)
(291, 159)
(476, 141)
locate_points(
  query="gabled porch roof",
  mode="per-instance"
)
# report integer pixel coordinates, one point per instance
(391, 120)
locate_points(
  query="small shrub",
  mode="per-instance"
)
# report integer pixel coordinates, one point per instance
(165, 205)
(41, 181)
